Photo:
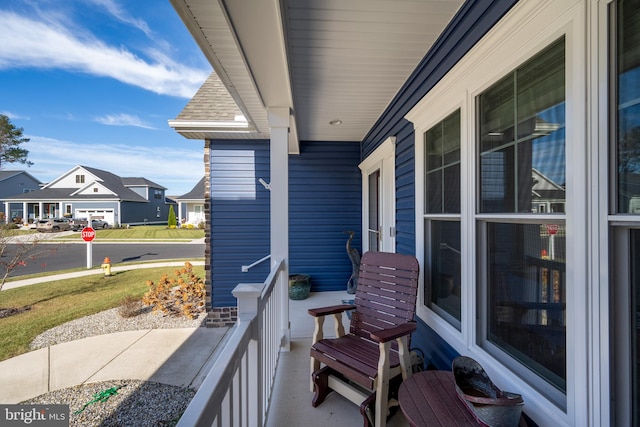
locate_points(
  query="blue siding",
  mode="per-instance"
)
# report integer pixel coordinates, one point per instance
(239, 216)
(324, 201)
(437, 353)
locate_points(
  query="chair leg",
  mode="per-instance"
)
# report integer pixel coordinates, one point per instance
(321, 385)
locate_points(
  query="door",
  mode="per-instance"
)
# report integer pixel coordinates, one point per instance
(378, 201)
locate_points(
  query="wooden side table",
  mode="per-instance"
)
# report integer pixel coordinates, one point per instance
(429, 398)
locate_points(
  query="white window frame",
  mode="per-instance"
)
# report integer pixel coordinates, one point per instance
(524, 32)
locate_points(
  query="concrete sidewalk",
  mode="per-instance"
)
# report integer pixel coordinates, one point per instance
(180, 357)
(53, 277)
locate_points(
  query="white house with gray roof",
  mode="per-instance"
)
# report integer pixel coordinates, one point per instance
(84, 192)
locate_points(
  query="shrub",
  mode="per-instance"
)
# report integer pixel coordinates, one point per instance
(130, 307)
(179, 296)
(172, 220)
(201, 225)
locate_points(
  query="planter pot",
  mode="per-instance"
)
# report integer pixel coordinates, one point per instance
(299, 286)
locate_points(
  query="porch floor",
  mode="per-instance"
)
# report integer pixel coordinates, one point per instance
(291, 404)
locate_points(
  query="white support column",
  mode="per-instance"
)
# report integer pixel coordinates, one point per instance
(279, 125)
(7, 212)
(40, 208)
(25, 213)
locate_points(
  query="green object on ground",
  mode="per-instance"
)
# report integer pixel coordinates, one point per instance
(103, 396)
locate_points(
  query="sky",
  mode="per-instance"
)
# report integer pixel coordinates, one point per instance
(93, 83)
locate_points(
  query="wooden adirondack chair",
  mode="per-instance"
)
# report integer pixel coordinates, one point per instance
(368, 364)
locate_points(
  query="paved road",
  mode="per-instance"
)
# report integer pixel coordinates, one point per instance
(54, 256)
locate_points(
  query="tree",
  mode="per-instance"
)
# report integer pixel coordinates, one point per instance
(172, 221)
(16, 251)
(10, 139)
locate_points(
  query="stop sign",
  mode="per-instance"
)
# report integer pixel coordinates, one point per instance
(88, 234)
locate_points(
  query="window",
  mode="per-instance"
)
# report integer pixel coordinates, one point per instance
(95, 189)
(522, 138)
(625, 201)
(79, 179)
(521, 175)
(626, 81)
(442, 219)
(157, 194)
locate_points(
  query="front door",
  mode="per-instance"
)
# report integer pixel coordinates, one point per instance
(378, 201)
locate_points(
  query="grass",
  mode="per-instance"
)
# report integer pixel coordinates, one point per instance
(142, 232)
(54, 303)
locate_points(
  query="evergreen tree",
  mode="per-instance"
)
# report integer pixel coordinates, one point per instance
(172, 221)
(10, 140)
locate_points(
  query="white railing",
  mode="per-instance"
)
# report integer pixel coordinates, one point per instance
(237, 389)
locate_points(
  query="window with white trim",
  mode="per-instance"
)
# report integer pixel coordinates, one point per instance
(521, 267)
(624, 130)
(442, 218)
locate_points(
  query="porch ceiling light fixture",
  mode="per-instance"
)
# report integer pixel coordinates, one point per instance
(335, 122)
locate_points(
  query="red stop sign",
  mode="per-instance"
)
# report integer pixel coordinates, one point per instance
(88, 234)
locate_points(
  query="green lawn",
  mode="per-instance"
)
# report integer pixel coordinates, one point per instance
(57, 302)
(142, 232)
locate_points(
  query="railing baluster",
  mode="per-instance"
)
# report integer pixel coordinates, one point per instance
(228, 396)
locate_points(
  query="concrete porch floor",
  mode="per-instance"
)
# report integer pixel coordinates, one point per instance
(291, 402)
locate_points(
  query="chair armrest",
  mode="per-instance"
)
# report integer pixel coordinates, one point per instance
(334, 309)
(385, 335)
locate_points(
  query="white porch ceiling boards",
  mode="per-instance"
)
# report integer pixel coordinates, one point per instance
(323, 59)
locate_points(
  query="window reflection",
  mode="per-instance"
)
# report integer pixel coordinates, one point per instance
(522, 138)
(445, 267)
(527, 296)
(627, 81)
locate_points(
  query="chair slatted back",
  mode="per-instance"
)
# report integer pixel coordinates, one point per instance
(386, 293)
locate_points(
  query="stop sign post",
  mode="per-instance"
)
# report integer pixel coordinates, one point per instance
(88, 234)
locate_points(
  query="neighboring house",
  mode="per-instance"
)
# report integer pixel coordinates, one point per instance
(85, 192)
(15, 183)
(191, 205)
(419, 125)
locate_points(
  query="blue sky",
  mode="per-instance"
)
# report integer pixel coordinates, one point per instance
(93, 82)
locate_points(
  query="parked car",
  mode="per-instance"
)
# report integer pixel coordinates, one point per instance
(78, 223)
(53, 224)
(99, 223)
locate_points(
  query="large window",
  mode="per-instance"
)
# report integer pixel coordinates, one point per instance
(625, 201)
(521, 202)
(522, 138)
(627, 107)
(442, 220)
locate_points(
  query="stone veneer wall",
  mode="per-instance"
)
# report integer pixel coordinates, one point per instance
(219, 316)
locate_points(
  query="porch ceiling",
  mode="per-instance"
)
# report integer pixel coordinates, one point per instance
(325, 60)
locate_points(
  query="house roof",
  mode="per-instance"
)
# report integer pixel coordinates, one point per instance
(324, 60)
(140, 182)
(108, 180)
(6, 174)
(196, 193)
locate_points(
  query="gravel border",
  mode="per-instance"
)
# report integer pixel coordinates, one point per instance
(137, 403)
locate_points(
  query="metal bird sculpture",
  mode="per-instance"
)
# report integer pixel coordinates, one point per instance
(354, 256)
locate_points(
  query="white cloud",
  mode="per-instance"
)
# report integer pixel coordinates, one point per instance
(14, 116)
(123, 120)
(48, 45)
(178, 168)
(115, 10)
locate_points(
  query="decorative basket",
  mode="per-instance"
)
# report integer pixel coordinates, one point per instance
(486, 402)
